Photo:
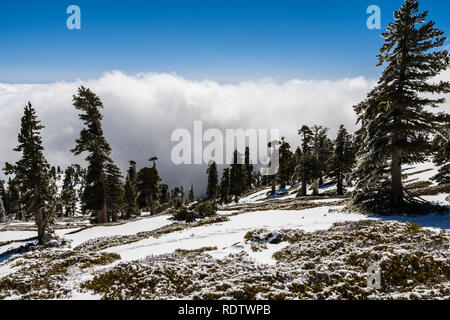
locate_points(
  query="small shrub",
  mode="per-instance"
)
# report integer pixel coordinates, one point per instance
(196, 210)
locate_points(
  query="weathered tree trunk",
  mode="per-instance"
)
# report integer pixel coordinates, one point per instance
(302, 190)
(273, 186)
(152, 205)
(41, 226)
(340, 189)
(315, 187)
(102, 215)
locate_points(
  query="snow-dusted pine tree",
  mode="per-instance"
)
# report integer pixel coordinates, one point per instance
(114, 191)
(396, 118)
(93, 142)
(68, 193)
(225, 186)
(308, 167)
(342, 160)
(32, 173)
(213, 181)
(131, 205)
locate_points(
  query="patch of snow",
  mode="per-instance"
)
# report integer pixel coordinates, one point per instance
(16, 235)
(129, 228)
(423, 176)
(438, 198)
(225, 235)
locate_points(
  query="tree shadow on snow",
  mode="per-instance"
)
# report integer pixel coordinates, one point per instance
(441, 221)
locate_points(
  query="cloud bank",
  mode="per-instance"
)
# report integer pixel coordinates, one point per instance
(142, 111)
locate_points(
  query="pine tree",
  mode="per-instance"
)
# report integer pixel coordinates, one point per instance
(342, 160)
(114, 191)
(68, 193)
(322, 149)
(191, 195)
(182, 192)
(273, 145)
(287, 163)
(442, 157)
(13, 201)
(32, 173)
(308, 167)
(131, 204)
(82, 179)
(91, 140)
(248, 169)
(213, 181)
(164, 195)
(153, 160)
(395, 117)
(225, 186)
(177, 197)
(237, 176)
(148, 186)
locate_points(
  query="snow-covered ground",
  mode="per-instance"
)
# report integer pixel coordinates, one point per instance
(228, 236)
(139, 225)
(16, 235)
(421, 171)
(224, 239)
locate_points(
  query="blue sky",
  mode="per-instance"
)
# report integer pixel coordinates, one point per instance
(225, 41)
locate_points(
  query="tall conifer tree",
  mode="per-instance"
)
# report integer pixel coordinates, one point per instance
(213, 181)
(114, 191)
(396, 117)
(131, 205)
(248, 169)
(237, 176)
(308, 167)
(225, 186)
(148, 186)
(191, 195)
(93, 142)
(342, 160)
(33, 175)
(68, 193)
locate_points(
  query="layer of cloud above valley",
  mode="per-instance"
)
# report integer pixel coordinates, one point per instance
(142, 111)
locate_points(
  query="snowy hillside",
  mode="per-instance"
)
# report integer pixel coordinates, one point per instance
(282, 247)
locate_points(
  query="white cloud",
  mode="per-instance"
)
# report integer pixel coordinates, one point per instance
(142, 111)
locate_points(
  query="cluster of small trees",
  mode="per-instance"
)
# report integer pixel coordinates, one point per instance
(237, 179)
(316, 158)
(33, 192)
(398, 127)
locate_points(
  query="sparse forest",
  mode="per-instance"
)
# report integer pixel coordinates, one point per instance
(329, 182)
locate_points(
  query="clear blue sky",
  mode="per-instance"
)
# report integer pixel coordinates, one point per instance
(226, 41)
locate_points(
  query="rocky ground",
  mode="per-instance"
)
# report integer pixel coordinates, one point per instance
(260, 248)
(327, 264)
